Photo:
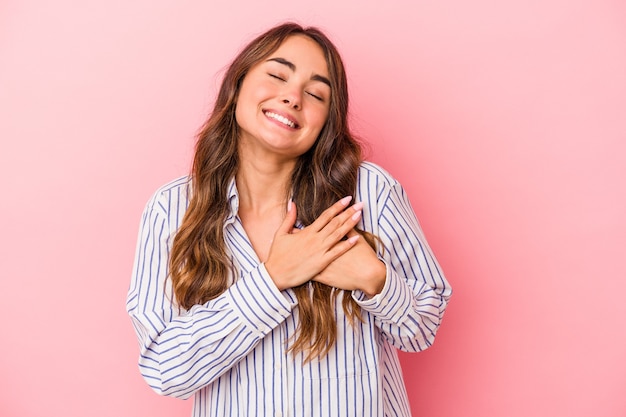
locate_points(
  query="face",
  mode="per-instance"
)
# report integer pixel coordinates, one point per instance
(283, 101)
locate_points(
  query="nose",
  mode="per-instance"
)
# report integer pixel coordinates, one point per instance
(292, 98)
(291, 103)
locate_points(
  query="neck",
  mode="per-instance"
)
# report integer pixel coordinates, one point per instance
(263, 186)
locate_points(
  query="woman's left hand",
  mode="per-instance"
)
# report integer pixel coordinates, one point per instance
(357, 269)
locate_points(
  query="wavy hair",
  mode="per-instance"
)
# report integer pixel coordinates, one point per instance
(199, 264)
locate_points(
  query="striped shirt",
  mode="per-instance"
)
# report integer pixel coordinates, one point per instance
(230, 353)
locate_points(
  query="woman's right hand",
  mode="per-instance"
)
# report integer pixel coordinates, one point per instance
(295, 258)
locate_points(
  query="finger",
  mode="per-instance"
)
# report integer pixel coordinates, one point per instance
(342, 247)
(342, 223)
(289, 221)
(338, 228)
(330, 213)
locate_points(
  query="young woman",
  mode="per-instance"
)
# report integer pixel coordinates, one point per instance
(281, 275)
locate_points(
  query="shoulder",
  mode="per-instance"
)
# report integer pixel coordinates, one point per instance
(175, 186)
(374, 175)
(173, 193)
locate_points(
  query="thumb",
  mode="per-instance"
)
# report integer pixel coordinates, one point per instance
(289, 221)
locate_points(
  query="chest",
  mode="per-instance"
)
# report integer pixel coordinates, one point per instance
(260, 231)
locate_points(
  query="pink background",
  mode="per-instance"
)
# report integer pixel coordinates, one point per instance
(505, 121)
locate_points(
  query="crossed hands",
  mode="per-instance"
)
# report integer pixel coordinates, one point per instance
(317, 252)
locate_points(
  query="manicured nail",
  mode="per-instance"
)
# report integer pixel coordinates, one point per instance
(289, 204)
(346, 200)
(353, 239)
(356, 215)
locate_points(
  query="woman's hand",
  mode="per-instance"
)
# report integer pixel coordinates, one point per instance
(357, 269)
(295, 258)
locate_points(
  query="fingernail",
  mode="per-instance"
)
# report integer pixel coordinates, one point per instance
(358, 206)
(289, 204)
(353, 239)
(346, 200)
(356, 215)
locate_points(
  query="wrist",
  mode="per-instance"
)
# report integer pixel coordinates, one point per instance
(376, 282)
(270, 271)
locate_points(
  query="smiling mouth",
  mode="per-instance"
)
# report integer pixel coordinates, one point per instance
(281, 119)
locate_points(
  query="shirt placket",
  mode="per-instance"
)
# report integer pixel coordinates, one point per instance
(281, 374)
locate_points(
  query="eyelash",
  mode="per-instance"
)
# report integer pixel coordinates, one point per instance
(282, 79)
(314, 96)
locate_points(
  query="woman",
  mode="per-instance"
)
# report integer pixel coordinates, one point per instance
(280, 276)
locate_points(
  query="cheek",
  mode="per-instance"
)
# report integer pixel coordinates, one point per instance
(320, 118)
(247, 103)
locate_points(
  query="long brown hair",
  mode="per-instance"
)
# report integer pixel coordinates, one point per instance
(199, 265)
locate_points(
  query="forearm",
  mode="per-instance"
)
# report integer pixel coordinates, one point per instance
(410, 307)
(408, 315)
(192, 350)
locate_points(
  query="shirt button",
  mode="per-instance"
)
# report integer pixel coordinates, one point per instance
(277, 366)
(278, 414)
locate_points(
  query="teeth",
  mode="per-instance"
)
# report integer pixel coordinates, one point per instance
(280, 118)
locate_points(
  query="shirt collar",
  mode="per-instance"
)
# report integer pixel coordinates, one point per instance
(233, 201)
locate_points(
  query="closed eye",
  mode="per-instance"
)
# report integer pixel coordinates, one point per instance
(315, 96)
(276, 76)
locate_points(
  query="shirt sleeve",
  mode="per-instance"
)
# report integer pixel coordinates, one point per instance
(183, 351)
(411, 305)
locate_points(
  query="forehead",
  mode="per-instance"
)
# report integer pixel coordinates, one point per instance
(306, 54)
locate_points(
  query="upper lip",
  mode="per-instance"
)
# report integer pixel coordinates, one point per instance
(285, 115)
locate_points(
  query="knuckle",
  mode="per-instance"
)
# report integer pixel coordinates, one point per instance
(324, 219)
(332, 210)
(335, 222)
(337, 235)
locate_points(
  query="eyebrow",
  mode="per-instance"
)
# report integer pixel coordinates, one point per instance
(292, 66)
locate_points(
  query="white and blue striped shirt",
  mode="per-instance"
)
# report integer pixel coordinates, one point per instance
(231, 353)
